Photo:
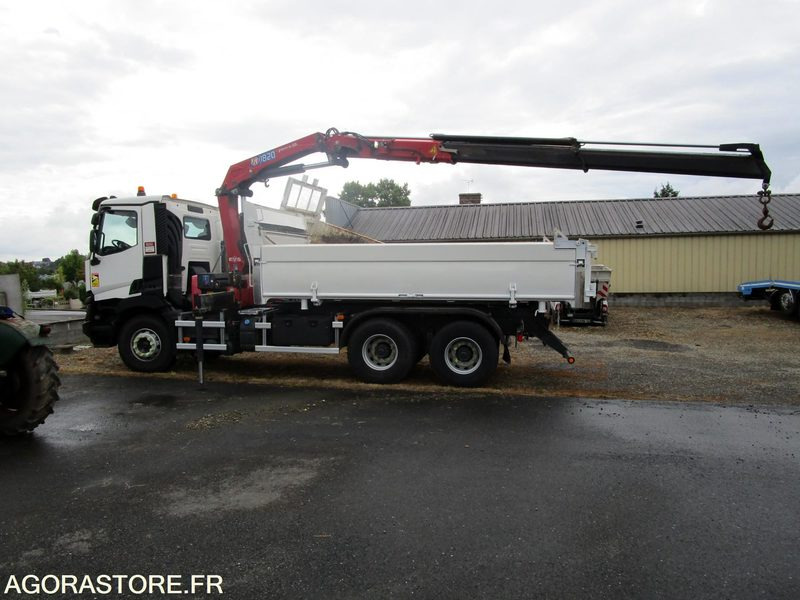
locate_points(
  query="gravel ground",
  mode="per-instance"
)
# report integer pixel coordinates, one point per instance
(742, 355)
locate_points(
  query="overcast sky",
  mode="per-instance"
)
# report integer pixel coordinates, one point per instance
(99, 97)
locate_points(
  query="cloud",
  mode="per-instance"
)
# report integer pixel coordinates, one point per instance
(101, 97)
(51, 232)
(52, 85)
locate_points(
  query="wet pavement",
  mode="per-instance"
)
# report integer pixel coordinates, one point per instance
(311, 493)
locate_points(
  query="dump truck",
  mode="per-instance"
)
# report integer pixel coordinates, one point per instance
(169, 275)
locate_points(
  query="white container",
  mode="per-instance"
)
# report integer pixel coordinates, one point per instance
(511, 272)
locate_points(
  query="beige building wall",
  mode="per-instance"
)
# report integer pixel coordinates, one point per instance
(703, 263)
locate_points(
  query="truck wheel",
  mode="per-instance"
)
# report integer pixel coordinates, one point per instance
(381, 351)
(146, 345)
(28, 391)
(464, 354)
(787, 301)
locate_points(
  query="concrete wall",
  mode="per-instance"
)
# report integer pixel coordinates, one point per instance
(698, 264)
(11, 294)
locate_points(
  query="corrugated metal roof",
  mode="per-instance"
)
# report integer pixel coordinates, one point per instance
(586, 218)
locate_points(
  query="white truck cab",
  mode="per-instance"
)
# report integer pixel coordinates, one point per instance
(144, 250)
(143, 253)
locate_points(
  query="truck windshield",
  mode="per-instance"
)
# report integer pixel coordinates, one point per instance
(118, 231)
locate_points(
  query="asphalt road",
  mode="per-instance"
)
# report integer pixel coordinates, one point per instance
(307, 493)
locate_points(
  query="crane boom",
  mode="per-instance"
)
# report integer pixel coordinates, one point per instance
(731, 160)
(743, 160)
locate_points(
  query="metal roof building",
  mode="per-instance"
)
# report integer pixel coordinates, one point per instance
(654, 245)
(590, 219)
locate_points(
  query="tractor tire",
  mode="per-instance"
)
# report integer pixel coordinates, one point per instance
(28, 391)
(146, 344)
(382, 351)
(464, 354)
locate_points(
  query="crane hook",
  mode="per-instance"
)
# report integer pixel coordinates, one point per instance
(766, 221)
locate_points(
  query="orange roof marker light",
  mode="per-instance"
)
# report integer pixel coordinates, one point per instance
(140, 191)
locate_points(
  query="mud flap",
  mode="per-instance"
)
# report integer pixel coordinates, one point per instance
(506, 354)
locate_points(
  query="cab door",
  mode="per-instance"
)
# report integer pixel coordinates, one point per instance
(118, 252)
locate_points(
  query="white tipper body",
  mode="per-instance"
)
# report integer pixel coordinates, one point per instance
(511, 271)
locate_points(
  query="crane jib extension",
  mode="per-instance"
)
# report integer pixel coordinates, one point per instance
(733, 160)
(743, 160)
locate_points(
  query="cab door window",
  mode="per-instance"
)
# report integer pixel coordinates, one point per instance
(118, 231)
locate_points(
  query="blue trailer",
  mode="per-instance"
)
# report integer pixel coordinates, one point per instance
(781, 295)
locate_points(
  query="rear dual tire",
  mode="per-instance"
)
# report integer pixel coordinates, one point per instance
(464, 354)
(461, 353)
(382, 351)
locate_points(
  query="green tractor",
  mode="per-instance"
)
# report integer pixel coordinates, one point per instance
(28, 374)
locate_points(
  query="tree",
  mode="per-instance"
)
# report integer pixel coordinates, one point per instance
(384, 193)
(666, 191)
(28, 277)
(70, 267)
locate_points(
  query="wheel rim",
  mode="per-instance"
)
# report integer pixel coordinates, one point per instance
(463, 355)
(145, 344)
(379, 352)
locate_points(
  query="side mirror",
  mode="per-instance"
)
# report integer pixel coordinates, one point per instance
(94, 240)
(94, 245)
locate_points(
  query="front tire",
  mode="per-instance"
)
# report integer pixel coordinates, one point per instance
(382, 351)
(146, 345)
(28, 391)
(464, 354)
